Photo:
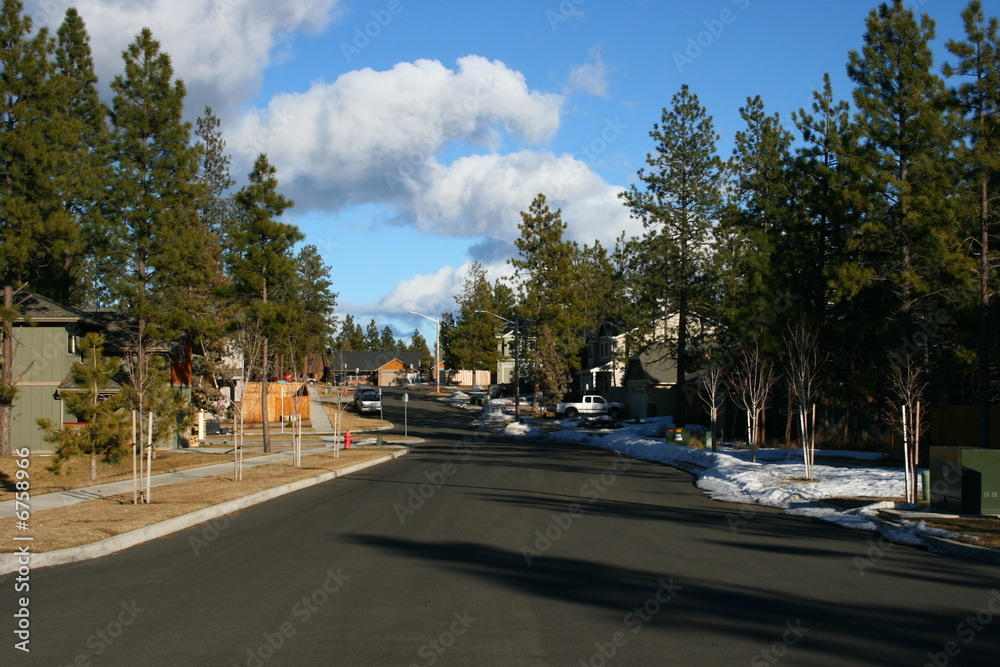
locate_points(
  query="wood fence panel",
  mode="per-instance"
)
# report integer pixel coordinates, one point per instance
(283, 398)
(958, 426)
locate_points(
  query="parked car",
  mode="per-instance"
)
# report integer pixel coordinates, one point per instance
(587, 404)
(364, 389)
(368, 402)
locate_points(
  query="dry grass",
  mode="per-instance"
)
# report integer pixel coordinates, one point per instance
(93, 520)
(986, 529)
(352, 421)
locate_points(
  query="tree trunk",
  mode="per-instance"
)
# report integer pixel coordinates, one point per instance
(984, 316)
(263, 401)
(7, 377)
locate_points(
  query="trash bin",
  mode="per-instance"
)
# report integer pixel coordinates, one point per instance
(679, 436)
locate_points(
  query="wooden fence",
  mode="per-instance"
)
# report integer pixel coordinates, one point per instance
(283, 398)
(958, 426)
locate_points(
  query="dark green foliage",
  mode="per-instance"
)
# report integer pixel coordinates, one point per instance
(100, 404)
(673, 274)
(548, 295)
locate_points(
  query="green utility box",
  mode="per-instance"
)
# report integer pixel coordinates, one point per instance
(679, 436)
(965, 479)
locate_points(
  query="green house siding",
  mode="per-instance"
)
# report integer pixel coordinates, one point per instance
(42, 353)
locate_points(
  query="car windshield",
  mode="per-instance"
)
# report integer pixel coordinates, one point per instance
(369, 397)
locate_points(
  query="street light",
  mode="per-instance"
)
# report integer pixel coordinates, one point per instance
(517, 366)
(437, 349)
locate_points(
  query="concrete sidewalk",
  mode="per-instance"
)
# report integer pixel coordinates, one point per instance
(46, 501)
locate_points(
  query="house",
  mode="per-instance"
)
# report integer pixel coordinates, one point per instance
(381, 369)
(505, 348)
(45, 347)
(603, 356)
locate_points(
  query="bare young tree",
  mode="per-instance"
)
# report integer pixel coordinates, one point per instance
(804, 365)
(750, 382)
(712, 390)
(906, 376)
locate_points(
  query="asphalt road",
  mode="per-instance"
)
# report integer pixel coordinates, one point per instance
(477, 550)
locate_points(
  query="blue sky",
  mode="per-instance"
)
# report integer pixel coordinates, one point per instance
(411, 133)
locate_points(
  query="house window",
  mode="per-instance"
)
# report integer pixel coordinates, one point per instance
(605, 349)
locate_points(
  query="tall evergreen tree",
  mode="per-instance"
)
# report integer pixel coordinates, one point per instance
(155, 259)
(373, 337)
(317, 301)
(548, 296)
(758, 226)
(261, 260)
(387, 340)
(419, 344)
(908, 241)
(678, 202)
(475, 343)
(34, 226)
(978, 98)
(82, 174)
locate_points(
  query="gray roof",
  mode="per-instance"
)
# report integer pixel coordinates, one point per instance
(37, 308)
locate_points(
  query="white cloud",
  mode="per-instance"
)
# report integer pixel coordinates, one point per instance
(485, 194)
(220, 48)
(365, 136)
(376, 137)
(590, 77)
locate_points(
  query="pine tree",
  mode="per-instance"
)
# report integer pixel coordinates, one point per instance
(34, 226)
(475, 344)
(548, 296)
(757, 226)
(317, 301)
(679, 200)
(261, 260)
(100, 403)
(155, 262)
(419, 344)
(387, 340)
(373, 339)
(908, 240)
(978, 98)
(81, 174)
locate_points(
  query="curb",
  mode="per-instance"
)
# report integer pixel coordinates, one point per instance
(963, 550)
(9, 561)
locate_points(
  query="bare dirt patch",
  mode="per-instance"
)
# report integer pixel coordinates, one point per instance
(95, 520)
(985, 528)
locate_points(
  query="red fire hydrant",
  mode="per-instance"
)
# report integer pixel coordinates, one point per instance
(347, 439)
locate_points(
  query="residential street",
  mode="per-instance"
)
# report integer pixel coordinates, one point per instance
(476, 550)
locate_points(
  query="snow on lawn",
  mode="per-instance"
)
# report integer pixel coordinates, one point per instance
(776, 480)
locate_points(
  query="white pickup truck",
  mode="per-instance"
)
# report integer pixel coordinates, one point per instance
(587, 404)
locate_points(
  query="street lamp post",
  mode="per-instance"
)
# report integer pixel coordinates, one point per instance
(517, 366)
(437, 349)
